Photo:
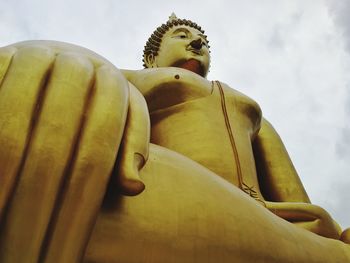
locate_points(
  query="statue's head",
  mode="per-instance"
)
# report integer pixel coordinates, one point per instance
(178, 43)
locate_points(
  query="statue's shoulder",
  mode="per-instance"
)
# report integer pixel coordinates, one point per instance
(241, 102)
(168, 75)
(157, 84)
(238, 96)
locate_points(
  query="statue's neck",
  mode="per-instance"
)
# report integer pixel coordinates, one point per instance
(194, 66)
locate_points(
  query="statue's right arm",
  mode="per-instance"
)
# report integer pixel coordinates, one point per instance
(65, 114)
(283, 188)
(278, 177)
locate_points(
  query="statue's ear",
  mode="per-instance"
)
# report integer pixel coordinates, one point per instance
(150, 60)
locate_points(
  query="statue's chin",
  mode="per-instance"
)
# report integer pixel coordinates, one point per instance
(193, 65)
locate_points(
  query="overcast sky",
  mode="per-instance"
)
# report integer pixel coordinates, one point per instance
(291, 56)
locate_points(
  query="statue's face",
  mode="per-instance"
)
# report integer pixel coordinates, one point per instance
(181, 44)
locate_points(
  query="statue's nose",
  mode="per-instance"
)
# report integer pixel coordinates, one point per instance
(197, 44)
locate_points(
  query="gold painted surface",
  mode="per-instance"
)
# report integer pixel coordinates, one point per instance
(155, 165)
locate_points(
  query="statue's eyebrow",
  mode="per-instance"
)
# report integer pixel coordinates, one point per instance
(187, 32)
(181, 29)
(203, 36)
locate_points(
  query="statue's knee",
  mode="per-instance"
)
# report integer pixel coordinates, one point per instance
(345, 236)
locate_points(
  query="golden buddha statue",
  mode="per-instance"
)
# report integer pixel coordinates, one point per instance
(155, 165)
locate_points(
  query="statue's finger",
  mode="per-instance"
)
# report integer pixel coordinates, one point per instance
(90, 172)
(135, 146)
(48, 156)
(22, 78)
(6, 55)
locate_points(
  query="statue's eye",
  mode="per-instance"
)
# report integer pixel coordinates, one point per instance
(182, 36)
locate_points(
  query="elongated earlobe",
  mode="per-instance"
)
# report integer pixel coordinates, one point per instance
(150, 61)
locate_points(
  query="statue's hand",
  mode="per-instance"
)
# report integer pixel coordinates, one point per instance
(308, 216)
(63, 111)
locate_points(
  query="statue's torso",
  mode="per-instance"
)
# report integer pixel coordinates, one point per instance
(207, 122)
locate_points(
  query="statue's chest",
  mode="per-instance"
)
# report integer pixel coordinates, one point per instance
(210, 129)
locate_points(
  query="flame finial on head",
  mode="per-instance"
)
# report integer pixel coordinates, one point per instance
(172, 17)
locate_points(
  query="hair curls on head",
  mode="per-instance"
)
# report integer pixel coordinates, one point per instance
(154, 41)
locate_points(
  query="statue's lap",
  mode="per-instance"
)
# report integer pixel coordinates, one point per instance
(189, 214)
